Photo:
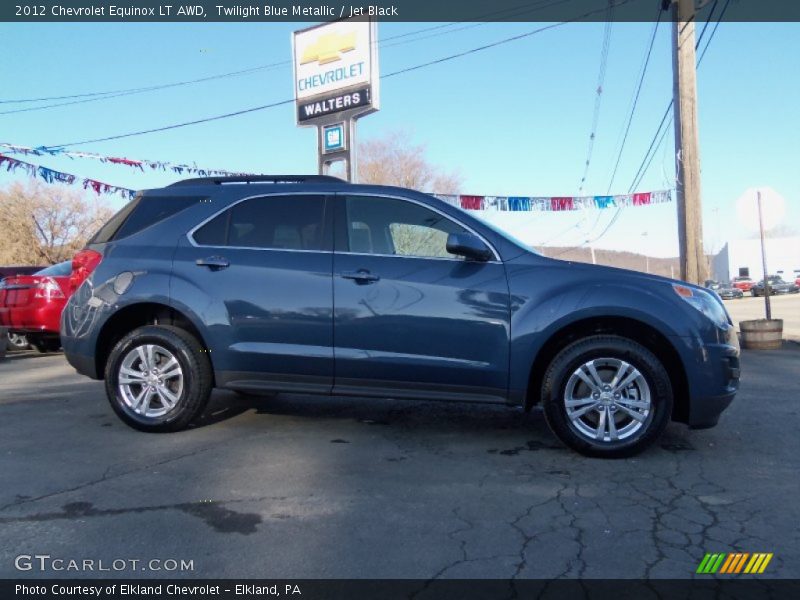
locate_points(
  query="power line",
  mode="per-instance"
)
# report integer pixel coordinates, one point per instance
(97, 96)
(109, 94)
(387, 76)
(647, 161)
(659, 135)
(639, 171)
(643, 71)
(713, 31)
(635, 102)
(601, 77)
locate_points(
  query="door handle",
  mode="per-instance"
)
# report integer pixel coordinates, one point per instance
(361, 276)
(213, 262)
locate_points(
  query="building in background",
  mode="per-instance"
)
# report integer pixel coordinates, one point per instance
(742, 258)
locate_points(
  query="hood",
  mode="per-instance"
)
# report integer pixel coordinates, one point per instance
(601, 270)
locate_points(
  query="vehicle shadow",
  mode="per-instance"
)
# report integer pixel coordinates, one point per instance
(223, 406)
(422, 415)
(14, 355)
(519, 430)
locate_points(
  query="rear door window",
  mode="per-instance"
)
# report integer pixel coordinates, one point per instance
(272, 222)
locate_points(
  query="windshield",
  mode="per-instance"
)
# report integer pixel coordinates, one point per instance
(503, 233)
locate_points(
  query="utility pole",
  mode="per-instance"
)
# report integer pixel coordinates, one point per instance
(690, 226)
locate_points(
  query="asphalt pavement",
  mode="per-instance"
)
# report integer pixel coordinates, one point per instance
(317, 487)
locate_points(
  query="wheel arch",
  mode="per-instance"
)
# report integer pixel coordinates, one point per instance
(627, 327)
(135, 315)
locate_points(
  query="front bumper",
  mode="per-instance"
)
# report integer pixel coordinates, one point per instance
(714, 380)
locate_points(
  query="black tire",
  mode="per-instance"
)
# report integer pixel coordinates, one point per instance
(197, 380)
(615, 348)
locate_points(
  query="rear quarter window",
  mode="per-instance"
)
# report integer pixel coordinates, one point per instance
(140, 213)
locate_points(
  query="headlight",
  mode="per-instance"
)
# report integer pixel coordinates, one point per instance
(706, 302)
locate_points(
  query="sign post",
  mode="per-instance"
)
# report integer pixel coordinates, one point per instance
(336, 81)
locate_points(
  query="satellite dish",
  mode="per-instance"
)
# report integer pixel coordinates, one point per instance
(773, 208)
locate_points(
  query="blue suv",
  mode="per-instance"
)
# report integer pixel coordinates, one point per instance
(310, 284)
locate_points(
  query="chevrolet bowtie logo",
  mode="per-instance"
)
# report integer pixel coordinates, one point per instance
(329, 48)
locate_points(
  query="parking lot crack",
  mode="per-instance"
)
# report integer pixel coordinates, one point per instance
(108, 477)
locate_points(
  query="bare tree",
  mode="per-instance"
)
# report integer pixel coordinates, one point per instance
(396, 160)
(45, 224)
(779, 231)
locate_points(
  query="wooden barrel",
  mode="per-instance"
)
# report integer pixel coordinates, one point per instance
(761, 334)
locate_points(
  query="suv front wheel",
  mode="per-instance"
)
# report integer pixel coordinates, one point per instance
(158, 378)
(607, 396)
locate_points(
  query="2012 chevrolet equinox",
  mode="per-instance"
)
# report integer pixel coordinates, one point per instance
(310, 284)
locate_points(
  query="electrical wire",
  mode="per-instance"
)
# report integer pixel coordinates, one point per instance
(661, 135)
(643, 71)
(109, 94)
(635, 102)
(601, 77)
(387, 76)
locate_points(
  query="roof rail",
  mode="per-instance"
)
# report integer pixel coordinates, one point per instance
(259, 179)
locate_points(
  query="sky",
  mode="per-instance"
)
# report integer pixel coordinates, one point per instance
(511, 120)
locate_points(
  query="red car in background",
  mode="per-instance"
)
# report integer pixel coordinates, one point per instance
(31, 305)
(743, 283)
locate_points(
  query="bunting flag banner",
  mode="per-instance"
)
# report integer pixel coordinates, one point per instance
(156, 165)
(554, 203)
(53, 176)
(466, 202)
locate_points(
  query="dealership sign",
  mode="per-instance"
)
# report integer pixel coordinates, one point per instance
(335, 71)
(313, 109)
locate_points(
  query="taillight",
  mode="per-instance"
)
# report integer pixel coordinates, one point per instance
(83, 263)
(48, 289)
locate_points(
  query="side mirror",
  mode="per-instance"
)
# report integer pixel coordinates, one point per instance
(469, 246)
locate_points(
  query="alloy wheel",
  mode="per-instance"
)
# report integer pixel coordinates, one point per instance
(150, 380)
(608, 400)
(18, 341)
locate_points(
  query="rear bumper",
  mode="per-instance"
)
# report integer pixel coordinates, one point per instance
(32, 319)
(84, 365)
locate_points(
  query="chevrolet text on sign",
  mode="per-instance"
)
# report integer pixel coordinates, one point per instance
(335, 69)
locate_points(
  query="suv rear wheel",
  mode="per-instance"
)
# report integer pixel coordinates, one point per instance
(607, 396)
(158, 378)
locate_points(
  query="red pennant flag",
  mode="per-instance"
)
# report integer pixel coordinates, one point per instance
(562, 203)
(641, 199)
(471, 202)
